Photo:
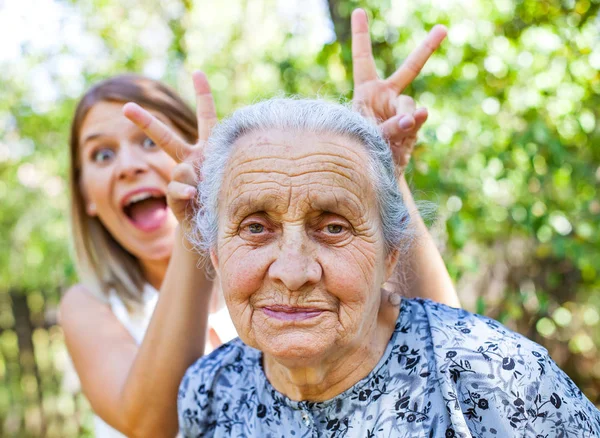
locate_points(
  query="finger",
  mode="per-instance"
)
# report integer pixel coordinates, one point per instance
(411, 67)
(405, 123)
(412, 123)
(177, 191)
(363, 64)
(157, 131)
(420, 116)
(397, 128)
(401, 140)
(205, 106)
(405, 105)
(185, 173)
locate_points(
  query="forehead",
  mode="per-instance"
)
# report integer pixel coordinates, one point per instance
(106, 119)
(278, 170)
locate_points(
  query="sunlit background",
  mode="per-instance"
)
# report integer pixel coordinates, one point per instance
(510, 155)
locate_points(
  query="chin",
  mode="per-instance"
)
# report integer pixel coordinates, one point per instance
(159, 252)
(295, 349)
(158, 249)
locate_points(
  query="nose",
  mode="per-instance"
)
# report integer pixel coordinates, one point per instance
(296, 265)
(130, 164)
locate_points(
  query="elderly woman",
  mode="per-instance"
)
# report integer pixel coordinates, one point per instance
(304, 223)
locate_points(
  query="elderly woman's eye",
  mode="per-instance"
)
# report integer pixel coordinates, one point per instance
(147, 143)
(103, 155)
(335, 228)
(256, 228)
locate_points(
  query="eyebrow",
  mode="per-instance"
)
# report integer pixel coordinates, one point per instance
(350, 207)
(91, 137)
(246, 205)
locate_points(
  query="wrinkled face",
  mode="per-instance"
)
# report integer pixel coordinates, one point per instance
(300, 250)
(124, 178)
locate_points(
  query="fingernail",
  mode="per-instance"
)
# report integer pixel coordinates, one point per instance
(406, 123)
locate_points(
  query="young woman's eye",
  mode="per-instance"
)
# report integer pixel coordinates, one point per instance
(334, 228)
(103, 155)
(256, 228)
(147, 143)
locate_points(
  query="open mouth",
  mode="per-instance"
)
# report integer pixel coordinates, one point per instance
(146, 210)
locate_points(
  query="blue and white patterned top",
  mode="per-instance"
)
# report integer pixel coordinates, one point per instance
(445, 373)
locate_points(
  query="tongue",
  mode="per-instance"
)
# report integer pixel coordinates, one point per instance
(148, 213)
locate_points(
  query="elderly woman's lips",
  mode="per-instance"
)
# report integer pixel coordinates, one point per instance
(285, 313)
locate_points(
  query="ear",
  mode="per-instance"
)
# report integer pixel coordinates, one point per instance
(391, 260)
(214, 258)
(90, 208)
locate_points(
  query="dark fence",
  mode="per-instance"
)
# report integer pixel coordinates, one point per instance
(35, 398)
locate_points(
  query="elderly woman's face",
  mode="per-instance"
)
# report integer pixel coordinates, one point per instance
(300, 249)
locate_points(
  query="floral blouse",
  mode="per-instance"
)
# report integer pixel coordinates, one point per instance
(445, 373)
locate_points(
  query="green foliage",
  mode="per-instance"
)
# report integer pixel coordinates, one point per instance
(510, 154)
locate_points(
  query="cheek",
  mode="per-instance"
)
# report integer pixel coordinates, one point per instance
(242, 271)
(350, 273)
(95, 185)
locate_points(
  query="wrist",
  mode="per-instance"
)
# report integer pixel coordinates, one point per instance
(182, 234)
(402, 183)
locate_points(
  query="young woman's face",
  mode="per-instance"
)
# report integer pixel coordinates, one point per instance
(124, 178)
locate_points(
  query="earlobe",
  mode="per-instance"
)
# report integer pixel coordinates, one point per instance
(390, 263)
(90, 209)
(215, 260)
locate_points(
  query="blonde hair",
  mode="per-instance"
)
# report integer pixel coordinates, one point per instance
(102, 263)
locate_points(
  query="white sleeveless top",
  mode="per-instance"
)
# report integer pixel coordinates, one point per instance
(137, 323)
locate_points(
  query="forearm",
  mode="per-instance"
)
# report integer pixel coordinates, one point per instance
(174, 340)
(427, 276)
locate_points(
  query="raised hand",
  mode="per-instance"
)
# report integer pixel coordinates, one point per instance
(381, 99)
(181, 191)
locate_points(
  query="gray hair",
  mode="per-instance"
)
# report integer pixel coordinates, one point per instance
(299, 115)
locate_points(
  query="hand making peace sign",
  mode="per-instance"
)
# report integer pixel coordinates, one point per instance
(182, 188)
(381, 99)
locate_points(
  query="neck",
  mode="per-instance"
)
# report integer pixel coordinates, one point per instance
(335, 375)
(154, 271)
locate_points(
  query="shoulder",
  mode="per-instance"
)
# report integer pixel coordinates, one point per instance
(233, 357)
(480, 344)
(78, 302)
(489, 370)
(212, 381)
(80, 313)
(470, 347)
(77, 293)
(463, 331)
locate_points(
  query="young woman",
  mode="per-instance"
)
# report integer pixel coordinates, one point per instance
(132, 182)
